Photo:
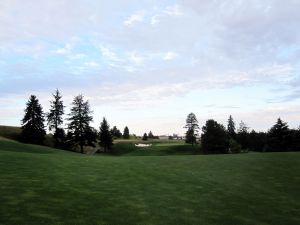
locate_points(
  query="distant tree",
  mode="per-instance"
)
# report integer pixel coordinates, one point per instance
(126, 133)
(231, 127)
(278, 137)
(214, 138)
(54, 117)
(257, 141)
(91, 135)
(242, 136)
(116, 133)
(105, 136)
(150, 135)
(33, 129)
(192, 129)
(295, 139)
(145, 137)
(80, 118)
(234, 146)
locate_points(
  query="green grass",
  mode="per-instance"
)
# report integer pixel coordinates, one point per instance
(10, 132)
(41, 185)
(156, 149)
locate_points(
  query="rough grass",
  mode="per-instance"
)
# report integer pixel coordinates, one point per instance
(10, 132)
(45, 186)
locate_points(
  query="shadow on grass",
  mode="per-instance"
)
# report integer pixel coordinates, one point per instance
(129, 149)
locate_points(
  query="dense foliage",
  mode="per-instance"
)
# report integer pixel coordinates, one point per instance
(192, 129)
(33, 129)
(126, 133)
(214, 138)
(79, 127)
(105, 136)
(54, 117)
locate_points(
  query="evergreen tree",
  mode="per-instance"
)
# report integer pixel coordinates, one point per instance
(278, 137)
(54, 117)
(242, 135)
(145, 137)
(116, 133)
(231, 127)
(192, 129)
(80, 118)
(33, 129)
(105, 136)
(126, 133)
(150, 135)
(214, 138)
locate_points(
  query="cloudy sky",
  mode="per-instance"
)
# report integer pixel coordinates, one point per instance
(147, 64)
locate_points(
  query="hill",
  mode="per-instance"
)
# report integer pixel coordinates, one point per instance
(10, 132)
(41, 185)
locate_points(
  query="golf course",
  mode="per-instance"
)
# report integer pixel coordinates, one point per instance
(168, 183)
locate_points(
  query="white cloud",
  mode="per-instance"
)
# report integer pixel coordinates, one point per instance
(135, 18)
(135, 58)
(91, 64)
(174, 10)
(170, 55)
(78, 56)
(66, 49)
(109, 54)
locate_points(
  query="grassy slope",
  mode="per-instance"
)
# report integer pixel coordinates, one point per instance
(10, 132)
(44, 186)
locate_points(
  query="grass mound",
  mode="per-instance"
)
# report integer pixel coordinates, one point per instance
(10, 132)
(41, 185)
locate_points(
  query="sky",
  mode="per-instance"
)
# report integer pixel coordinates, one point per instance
(148, 64)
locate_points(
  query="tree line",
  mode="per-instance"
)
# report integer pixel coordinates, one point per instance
(215, 138)
(79, 131)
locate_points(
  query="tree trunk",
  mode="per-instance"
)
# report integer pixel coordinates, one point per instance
(81, 148)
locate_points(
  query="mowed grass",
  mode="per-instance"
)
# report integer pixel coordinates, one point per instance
(45, 186)
(157, 148)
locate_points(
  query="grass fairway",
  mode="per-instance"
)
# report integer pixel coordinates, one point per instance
(44, 186)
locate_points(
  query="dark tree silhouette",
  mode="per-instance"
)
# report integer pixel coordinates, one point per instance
(126, 133)
(116, 133)
(150, 135)
(214, 138)
(80, 118)
(192, 129)
(242, 135)
(33, 129)
(145, 137)
(278, 137)
(231, 127)
(54, 117)
(105, 136)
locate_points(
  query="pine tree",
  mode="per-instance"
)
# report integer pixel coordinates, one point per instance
(150, 135)
(126, 133)
(33, 129)
(145, 137)
(231, 127)
(242, 136)
(105, 136)
(278, 137)
(192, 129)
(80, 118)
(116, 133)
(54, 117)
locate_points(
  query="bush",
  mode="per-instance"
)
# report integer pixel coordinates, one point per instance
(234, 147)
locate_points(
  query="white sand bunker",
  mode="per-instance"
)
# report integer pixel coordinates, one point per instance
(142, 145)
